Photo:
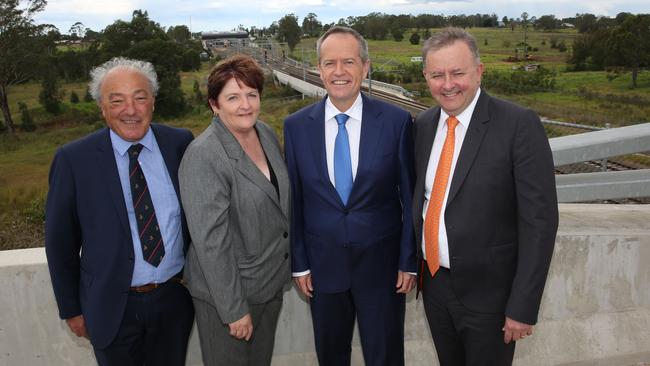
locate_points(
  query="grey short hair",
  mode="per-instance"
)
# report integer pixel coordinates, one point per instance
(98, 74)
(446, 37)
(363, 44)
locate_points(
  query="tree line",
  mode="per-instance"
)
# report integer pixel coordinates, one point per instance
(380, 26)
(40, 52)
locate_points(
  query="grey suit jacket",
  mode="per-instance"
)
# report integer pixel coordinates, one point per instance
(239, 253)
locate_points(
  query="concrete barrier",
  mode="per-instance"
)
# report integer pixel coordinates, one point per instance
(595, 311)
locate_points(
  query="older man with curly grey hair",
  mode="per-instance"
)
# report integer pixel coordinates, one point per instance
(115, 235)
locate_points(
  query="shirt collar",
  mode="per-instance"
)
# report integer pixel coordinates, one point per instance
(121, 145)
(354, 112)
(465, 116)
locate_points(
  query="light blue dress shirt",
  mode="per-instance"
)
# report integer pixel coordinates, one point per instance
(165, 202)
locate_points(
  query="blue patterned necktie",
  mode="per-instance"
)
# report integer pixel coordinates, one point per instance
(342, 160)
(153, 249)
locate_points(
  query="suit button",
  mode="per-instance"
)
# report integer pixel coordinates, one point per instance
(346, 212)
(286, 255)
(285, 235)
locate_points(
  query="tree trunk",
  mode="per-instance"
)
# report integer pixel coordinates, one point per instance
(6, 113)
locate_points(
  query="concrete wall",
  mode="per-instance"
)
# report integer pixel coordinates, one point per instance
(596, 307)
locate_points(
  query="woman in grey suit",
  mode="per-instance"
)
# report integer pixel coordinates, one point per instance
(235, 192)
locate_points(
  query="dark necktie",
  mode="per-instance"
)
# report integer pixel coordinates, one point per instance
(153, 249)
(342, 160)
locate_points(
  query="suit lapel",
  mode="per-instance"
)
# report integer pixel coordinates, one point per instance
(426, 132)
(108, 167)
(473, 139)
(317, 142)
(242, 162)
(272, 152)
(371, 129)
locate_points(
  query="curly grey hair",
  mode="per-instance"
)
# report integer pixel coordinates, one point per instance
(98, 74)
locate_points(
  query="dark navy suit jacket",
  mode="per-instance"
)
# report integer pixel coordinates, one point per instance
(361, 245)
(87, 235)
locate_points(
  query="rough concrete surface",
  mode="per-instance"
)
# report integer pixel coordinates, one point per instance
(595, 309)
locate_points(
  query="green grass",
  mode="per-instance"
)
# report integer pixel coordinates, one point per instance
(25, 159)
(581, 97)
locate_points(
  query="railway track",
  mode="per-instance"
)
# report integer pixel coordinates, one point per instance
(290, 67)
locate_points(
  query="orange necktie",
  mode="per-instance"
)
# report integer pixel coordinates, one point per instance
(432, 219)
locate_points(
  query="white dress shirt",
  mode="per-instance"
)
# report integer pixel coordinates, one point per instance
(441, 133)
(353, 125)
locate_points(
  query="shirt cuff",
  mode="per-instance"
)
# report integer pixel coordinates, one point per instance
(300, 274)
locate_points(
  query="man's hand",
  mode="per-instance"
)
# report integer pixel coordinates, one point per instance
(242, 328)
(77, 325)
(304, 284)
(514, 330)
(405, 282)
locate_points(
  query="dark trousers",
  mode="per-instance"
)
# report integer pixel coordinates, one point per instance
(155, 329)
(381, 327)
(219, 348)
(461, 336)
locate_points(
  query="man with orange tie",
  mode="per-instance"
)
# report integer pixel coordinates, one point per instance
(485, 209)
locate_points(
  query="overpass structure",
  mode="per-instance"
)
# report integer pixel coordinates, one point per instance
(595, 310)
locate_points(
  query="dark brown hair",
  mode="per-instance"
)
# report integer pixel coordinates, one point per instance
(242, 68)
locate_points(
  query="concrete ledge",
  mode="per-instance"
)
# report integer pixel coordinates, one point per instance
(595, 310)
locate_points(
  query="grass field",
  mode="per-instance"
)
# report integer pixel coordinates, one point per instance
(581, 97)
(25, 160)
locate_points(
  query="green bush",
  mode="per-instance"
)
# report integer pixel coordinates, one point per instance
(27, 122)
(74, 98)
(519, 81)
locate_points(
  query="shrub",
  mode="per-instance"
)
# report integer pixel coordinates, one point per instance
(27, 122)
(74, 98)
(415, 38)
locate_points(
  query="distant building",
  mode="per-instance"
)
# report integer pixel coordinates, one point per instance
(568, 25)
(224, 39)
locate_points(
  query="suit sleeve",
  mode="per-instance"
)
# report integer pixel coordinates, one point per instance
(205, 185)
(537, 217)
(299, 259)
(63, 236)
(407, 256)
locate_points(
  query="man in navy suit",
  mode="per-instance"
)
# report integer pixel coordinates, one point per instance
(350, 163)
(115, 256)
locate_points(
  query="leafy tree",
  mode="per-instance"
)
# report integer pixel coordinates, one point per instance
(289, 31)
(548, 22)
(397, 32)
(26, 120)
(629, 45)
(77, 31)
(415, 38)
(180, 34)
(311, 25)
(166, 56)
(22, 44)
(49, 97)
(118, 37)
(586, 23)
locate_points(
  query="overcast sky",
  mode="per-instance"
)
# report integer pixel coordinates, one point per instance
(222, 15)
